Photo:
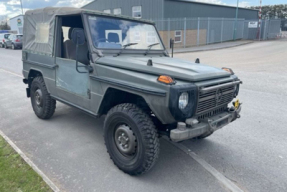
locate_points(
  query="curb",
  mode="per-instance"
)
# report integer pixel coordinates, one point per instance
(31, 164)
(216, 48)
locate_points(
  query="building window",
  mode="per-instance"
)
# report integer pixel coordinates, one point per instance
(137, 11)
(151, 37)
(118, 11)
(177, 36)
(107, 11)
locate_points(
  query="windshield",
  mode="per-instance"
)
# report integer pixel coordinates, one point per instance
(6, 36)
(113, 33)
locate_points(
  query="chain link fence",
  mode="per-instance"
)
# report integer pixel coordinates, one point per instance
(188, 32)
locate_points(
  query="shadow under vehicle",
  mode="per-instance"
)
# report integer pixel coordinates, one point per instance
(118, 66)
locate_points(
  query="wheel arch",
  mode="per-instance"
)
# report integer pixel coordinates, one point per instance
(109, 100)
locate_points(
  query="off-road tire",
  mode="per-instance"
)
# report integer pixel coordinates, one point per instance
(147, 150)
(48, 107)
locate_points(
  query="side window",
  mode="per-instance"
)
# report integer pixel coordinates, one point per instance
(107, 11)
(66, 33)
(137, 11)
(177, 36)
(118, 11)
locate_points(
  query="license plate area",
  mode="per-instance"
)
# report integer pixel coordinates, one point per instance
(222, 123)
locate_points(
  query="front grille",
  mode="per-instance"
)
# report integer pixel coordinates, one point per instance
(211, 113)
(214, 99)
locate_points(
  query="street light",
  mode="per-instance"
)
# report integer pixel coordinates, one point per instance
(22, 7)
(235, 24)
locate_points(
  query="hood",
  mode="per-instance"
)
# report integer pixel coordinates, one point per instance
(176, 68)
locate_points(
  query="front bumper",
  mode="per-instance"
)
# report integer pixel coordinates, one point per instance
(207, 126)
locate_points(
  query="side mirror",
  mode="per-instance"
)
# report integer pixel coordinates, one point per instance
(78, 36)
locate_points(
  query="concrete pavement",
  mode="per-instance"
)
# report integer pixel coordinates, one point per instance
(250, 152)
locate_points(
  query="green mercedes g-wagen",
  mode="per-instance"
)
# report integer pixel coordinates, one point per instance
(118, 66)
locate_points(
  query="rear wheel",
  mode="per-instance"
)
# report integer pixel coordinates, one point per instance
(131, 139)
(13, 46)
(43, 105)
(5, 46)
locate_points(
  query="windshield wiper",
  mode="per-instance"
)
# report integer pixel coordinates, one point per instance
(149, 48)
(124, 47)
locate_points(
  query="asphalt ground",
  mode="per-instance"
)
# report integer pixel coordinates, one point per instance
(250, 152)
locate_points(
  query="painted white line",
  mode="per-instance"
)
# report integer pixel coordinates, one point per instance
(15, 74)
(32, 165)
(221, 178)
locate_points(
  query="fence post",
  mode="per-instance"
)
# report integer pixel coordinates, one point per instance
(222, 30)
(260, 27)
(184, 33)
(168, 31)
(207, 40)
(243, 27)
(268, 28)
(198, 28)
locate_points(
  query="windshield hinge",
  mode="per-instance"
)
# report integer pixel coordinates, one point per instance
(89, 93)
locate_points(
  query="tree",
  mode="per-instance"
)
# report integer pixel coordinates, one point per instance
(4, 26)
(273, 11)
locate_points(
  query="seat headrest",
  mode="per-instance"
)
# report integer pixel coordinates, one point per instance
(70, 33)
(113, 37)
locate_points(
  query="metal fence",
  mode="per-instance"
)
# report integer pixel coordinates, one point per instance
(188, 32)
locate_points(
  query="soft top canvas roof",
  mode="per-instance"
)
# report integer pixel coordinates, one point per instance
(39, 27)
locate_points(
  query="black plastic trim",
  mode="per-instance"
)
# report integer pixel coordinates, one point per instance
(72, 105)
(129, 86)
(189, 111)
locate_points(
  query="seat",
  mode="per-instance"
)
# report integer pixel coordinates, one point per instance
(70, 50)
(113, 42)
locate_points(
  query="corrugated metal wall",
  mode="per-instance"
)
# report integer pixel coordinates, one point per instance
(151, 9)
(181, 9)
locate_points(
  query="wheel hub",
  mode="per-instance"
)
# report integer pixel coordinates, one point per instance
(125, 140)
(38, 97)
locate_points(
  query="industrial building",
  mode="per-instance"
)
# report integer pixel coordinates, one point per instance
(163, 9)
(17, 23)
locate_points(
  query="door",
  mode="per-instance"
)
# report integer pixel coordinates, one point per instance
(9, 41)
(71, 86)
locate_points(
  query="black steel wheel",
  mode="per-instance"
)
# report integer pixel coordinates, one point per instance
(131, 139)
(43, 105)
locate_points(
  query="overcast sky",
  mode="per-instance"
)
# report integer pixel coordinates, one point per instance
(12, 7)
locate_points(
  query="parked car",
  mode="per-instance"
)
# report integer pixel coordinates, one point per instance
(14, 41)
(3, 38)
(118, 67)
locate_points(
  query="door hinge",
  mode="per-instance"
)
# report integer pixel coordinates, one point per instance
(89, 93)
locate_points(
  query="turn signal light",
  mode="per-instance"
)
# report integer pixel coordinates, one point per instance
(166, 79)
(228, 70)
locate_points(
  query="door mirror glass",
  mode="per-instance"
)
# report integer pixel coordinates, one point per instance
(78, 36)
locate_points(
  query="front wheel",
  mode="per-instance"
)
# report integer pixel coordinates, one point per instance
(5, 46)
(131, 139)
(43, 105)
(13, 46)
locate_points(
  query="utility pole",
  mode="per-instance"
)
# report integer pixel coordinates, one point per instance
(235, 24)
(22, 7)
(259, 23)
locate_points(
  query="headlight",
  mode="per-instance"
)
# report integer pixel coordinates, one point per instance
(183, 100)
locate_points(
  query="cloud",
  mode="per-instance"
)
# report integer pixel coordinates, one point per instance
(13, 7)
